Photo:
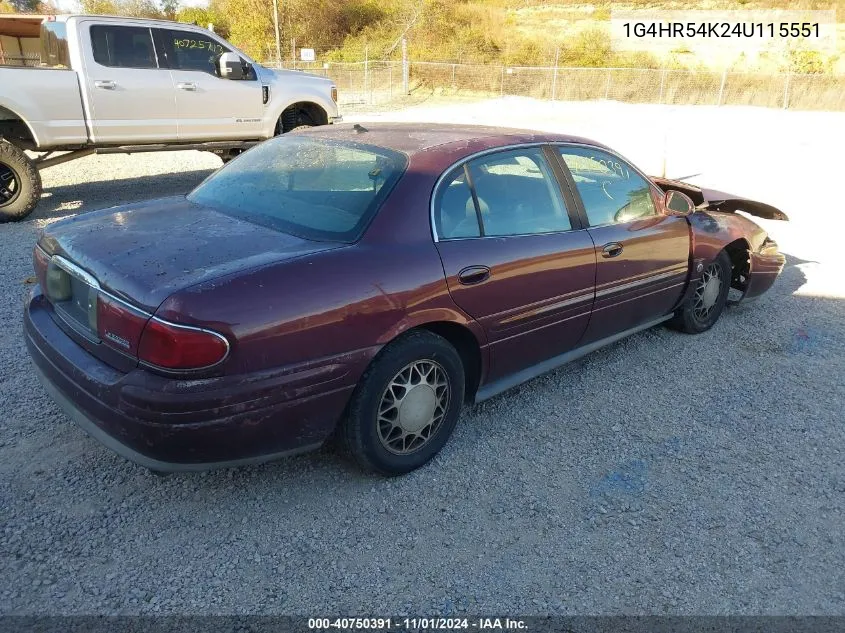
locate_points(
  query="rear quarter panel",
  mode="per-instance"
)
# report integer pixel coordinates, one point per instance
(335, 308)
(48, 101)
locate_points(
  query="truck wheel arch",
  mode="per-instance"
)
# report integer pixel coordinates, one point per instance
(15, 129)
(301, 113)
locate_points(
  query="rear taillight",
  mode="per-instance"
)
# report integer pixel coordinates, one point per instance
(119, 325)
(179, 347)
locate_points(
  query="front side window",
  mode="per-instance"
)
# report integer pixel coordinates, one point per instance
(123, 46)
(187, 50)
(517, 194)
(317, 189)
(611, 190)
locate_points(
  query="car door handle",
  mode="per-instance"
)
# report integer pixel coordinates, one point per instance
(187, 85)
(611, 249)
(105, 84)
(473, 275)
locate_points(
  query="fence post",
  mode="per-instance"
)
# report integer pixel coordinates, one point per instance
(607, 85)
(502, 83)
(453, 76)
(390, 89)
(662, 83)
(722, 86)
(406, 70)
(786, 91)
(367, 94)
(554, 74)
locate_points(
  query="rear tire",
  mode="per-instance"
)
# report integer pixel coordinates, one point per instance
(703, 307)
(20, 183)
(406, 404)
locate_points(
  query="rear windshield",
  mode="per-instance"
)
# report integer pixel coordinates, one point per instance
(314, 188)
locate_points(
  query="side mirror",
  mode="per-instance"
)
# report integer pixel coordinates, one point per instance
(231, 66)
(677, 203)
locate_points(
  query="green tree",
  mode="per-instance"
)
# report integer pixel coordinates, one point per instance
(170, 8)
(203, 17)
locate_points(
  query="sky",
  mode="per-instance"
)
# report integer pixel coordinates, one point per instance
(72, 6)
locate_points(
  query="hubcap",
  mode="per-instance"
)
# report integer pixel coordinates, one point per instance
(707, 292)
(412, 407)
(9, 185)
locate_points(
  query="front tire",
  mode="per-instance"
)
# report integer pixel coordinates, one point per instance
(20, 183)
(703, 307)
(406, 404)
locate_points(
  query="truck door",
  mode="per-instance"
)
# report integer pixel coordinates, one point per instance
(209, 107)
(129, 97)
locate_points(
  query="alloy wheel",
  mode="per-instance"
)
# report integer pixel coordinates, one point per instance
(413, 406)
(10, 185)
(707, 292)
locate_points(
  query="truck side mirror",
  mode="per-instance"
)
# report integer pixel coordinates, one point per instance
(677, 203)
(231, 66)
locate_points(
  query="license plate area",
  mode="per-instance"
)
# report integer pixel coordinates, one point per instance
(73, 294)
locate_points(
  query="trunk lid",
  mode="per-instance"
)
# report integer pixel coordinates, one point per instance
(143, 253)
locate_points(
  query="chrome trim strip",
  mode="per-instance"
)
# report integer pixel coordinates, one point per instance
(72, 269)
(584, 296)
(88, 278)
(639, 282)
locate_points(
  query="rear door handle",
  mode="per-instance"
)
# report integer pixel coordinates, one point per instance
(612, 249)
(187, 85)
(105, 84)
(473, 275)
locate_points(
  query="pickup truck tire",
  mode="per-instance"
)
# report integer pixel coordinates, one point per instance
(20, 183)
(707, 300)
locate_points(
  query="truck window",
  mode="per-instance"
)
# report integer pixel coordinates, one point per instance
(123, 46)
(54, 52)
(188, 50)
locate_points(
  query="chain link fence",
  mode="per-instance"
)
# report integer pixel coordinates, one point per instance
(380, 82)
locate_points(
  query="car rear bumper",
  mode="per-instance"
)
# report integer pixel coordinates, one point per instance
(168, 424)
(764, 269)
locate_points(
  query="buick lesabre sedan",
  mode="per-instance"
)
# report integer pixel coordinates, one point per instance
(372, 279)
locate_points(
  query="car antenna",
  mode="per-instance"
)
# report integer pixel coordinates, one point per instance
(359, 128)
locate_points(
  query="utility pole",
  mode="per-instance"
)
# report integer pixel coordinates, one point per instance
(278, 36)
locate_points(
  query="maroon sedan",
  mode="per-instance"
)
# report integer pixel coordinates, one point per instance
(373, 278)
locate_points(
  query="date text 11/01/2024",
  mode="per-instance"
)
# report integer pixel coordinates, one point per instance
(416, 624)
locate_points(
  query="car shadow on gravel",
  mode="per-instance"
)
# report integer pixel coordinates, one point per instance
(62, 201)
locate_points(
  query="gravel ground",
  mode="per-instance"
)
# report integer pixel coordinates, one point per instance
(665, 474)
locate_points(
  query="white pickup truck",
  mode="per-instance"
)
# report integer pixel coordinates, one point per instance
(103, 84)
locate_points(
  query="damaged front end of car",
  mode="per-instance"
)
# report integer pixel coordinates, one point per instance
(713, 200)
(755, 257)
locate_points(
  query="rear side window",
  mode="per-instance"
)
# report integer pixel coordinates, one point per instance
(123, 46)
(456, 215)
(314, 188)
(187, 50)
(518, 194)
(54, 51)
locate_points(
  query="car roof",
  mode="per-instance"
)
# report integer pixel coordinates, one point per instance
(412, 138)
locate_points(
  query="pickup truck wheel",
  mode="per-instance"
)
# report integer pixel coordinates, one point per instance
(20, 183)
(707, 301)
